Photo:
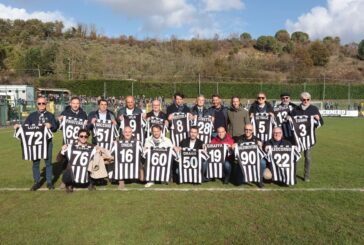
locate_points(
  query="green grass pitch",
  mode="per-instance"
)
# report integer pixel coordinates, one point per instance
(303, 214)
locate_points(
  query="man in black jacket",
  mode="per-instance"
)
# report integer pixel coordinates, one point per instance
(73, 110)
(199, 108)
(102, 113)
(219, 112)
(305, 108)
(42, 116)
(194, 143)
(177, 106)
(261, 105)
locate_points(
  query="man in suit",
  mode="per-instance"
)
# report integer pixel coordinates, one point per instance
(194, 143)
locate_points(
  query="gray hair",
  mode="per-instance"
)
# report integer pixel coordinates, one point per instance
(305, 95)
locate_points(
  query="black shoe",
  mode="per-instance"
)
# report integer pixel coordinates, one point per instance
(260, 184)
(35, 187)
(50, 186)
(226, 181)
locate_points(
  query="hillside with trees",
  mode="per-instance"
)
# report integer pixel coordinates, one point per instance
(31, 49)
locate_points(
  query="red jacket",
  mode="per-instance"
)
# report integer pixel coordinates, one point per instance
(227, 140)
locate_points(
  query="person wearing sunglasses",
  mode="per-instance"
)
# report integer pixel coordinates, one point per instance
(42, 117)
(68, 175)
(261, 105)
(306, 108)
(245, 138)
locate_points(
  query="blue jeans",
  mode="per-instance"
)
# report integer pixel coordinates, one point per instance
(240, 177)
(227, 171)
(48, 163)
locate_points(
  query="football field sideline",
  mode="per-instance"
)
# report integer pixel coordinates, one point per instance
(202, 189)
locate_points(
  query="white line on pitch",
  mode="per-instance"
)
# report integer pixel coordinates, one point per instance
(206, 189)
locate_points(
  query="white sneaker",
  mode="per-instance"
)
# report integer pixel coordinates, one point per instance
(149, 184)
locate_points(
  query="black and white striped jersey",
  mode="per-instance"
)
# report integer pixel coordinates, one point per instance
(263, 124)
(179, 128)
(205, 128)
(127, 160)
(137, 124)
(190, 165)
(34, 141)
(281, 113)
(304, 128)
(79, 157)
(249, 156)
(283, 161)
(105, 133)
(155, 121)
(215, 163)
(70, 127)
(158, 161)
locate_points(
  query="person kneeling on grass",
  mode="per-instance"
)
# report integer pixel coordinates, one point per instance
(79, 156)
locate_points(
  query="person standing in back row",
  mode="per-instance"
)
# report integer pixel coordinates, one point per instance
(42, 117)
(238, 117)
(306, 108)
(219, 112)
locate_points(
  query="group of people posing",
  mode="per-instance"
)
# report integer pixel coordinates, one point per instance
(185, 145)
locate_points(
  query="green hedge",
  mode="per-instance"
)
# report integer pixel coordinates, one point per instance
(243, 90)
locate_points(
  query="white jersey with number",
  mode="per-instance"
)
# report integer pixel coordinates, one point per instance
(105, 133)
(180, 127)
(263, 124)
(205, 128)
(304, 128)
(127, 160)
(158, 163)
(70, 127)
(190, 165)
(79, 157)
(136, 123)
(249, 156)
(215, 163)
(283, 161)
(34, 141)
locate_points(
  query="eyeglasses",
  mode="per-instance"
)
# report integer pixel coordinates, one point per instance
(83, 136)
(248, 129)
(40, 103)
(285, 98)
(261, 98)
(305, 99)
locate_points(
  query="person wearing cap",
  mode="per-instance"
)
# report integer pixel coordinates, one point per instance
(306, 108)
(287, 106)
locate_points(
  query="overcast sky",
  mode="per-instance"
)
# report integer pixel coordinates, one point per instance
(199, 18)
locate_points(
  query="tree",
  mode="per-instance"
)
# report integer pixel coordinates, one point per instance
(245, 36)
(282, 36)
(300, 37)
(246, 39)
(361, 50)
(267, 44)
(319, 53)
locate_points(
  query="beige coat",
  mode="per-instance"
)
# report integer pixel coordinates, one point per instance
(96, 166)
